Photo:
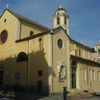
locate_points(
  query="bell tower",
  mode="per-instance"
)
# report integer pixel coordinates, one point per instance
(61, 18)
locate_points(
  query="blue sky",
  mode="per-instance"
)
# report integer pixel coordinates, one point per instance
(84, 15)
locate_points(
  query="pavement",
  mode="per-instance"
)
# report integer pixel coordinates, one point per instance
(33, 96)
(50, 98)
(27, 96)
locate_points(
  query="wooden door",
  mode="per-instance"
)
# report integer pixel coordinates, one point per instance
(39, 86)
(73, 77)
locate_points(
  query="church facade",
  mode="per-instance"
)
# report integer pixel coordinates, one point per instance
(44, 60)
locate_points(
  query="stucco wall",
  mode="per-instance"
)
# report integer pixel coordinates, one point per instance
(60, 55)
(79, 50)
(8, 23)
(87, 75)
(26, 28)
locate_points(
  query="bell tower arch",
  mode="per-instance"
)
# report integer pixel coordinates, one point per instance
(61, 18)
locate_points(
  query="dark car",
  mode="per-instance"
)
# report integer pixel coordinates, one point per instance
(4, 97)
(15, 87)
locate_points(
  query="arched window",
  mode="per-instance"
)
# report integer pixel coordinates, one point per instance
(93, 73)
(31, 33)
(22, 57)
(65, 21)
(98, 75)
(84, 74)
(90, 74)
(79, 52)
(74, 64)
(58, 21)
(58, 13)
(66, 30)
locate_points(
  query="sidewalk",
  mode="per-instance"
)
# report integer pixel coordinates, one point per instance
(32, 96)
(50, 98)
(27, 96)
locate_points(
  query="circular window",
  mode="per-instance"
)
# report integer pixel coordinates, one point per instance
(60, 43)
(5, 20)
(3, 37)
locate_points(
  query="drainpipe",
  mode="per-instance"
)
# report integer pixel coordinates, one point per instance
(28, 65)
(51, 61)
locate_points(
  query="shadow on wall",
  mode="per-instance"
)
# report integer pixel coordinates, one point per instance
(31, 73)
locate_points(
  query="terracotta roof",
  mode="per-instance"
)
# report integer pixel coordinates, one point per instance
(27, 20)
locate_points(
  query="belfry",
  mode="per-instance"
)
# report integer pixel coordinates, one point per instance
(61, 18)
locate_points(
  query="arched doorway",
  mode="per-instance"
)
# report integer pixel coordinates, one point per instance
(21, 69)
(74, 66)
(22, 57)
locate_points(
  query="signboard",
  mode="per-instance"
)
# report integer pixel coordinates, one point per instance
(17, 75)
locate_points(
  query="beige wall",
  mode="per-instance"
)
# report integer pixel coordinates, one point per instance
(7, 64)
(7, 49)
(60, 55)
(79, 50)
(26, 28)
(10, 27)
(39, 60)
(37, 52)
(87, 75)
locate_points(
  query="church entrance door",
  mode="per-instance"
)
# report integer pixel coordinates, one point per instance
(73, 77)
(74, 66)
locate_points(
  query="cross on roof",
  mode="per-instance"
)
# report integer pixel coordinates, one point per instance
(7, 6)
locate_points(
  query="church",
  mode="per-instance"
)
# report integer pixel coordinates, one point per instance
(44, 60)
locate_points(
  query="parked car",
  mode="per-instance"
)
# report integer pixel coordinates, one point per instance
(4, 97)
(10, 94)
(96, 94)
(15, 87)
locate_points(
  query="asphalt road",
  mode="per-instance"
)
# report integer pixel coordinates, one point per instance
(33, 96)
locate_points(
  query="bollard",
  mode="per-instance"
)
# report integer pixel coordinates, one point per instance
(64, 93)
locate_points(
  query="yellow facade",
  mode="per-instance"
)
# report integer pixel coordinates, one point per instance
(44, 60)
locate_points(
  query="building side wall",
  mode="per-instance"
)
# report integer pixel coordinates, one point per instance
(88, 76)
(10, 27)
(80, 51)
(60, 55)
(26, 28)
(39, 62)
(37, 53)
(8, 23)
